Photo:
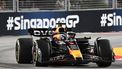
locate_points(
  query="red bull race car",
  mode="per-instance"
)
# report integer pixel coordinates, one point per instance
(44, 49)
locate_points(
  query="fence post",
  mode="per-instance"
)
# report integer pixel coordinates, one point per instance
(68, 5)
(114, 4)
(14, 5)
(65, 4)
(17, 5)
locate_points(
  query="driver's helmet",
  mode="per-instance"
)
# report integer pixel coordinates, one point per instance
(59, 31)
(60, 27)
(63, 37)
(59, 37)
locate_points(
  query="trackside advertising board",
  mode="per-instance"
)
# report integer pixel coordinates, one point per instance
(16, 23)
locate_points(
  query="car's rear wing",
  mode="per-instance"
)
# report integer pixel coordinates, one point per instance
(40, 32)
(44, 31)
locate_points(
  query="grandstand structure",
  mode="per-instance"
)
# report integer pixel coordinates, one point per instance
(57, 5)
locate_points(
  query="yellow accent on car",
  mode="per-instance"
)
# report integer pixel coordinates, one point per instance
(76, 54)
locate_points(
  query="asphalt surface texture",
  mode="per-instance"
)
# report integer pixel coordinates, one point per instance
(8, 61)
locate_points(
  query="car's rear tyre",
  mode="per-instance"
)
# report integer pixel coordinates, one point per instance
(104, 51)
(24, 50)
(42, 52)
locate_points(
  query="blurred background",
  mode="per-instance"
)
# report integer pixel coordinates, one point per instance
(57, 5)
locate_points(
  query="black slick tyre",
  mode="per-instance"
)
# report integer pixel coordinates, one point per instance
(104, 51)
(42, 52)
(24, 50)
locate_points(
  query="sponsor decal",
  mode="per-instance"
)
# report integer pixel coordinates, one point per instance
(111, 19)
(20, 23)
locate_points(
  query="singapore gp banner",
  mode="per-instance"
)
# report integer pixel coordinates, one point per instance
(81, 21)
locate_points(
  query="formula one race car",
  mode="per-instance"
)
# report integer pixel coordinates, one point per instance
(66, 48)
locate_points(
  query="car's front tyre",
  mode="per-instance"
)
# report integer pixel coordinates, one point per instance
(24, 50)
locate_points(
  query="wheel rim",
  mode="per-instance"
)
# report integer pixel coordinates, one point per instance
(34, 58)
(37, 56)
(17, 50)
